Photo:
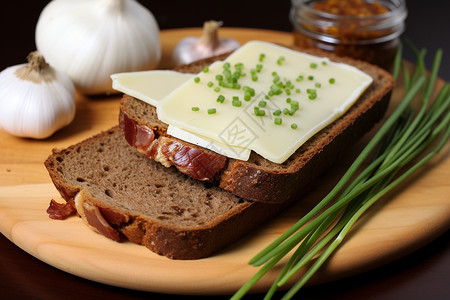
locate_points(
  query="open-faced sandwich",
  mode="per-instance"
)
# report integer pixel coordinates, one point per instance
(205, 153)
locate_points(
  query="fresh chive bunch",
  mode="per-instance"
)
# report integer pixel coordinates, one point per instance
(407, 140)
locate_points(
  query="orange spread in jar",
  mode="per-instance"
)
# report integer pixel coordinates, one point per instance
(348, 28)
(357, 8)
(352, 28)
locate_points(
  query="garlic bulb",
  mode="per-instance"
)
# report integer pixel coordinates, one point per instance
(35, 99)
(89, 40)
(191, 49)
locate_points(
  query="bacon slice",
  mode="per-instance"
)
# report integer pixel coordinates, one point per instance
(197, 163)
(95, 218)
(60, 211)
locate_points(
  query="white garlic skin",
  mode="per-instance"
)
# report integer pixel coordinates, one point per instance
(35, 110)
(89, 40)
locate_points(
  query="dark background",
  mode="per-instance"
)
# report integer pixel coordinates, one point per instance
(428, 23)
(423, 274)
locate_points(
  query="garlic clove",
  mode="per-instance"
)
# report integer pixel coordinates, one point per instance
(209, 44)
(35, 99)
(89, 40)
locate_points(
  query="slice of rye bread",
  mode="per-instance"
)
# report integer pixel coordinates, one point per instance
(120, 193)
(259, 179)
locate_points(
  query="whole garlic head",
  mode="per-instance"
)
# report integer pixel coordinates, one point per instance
(191, 48)
(89, 40)
(35, 99)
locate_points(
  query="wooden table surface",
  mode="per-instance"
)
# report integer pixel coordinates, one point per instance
(420, 275)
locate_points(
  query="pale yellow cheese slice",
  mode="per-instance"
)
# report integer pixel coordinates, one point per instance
(149, 86)
(239, 126)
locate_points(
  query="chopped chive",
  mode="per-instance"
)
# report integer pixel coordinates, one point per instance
(211, 111)
(294, 126)
(261, 57)
(249, 90)
(236, 103)
(297, 91)
(221, 98)
(226, 65)
(286, 111)
(299, 78)
(229, 85)
(217, 89)
(227, 74)
(259, 68)
(313, 65)
(262, 103)
(195, 108)
(317, 85)
(288, 100)
(205, 69)
(259, 112)
(236, 75)
(324, 63)
(197, 79)
(310, 77)
(312, 96)
(254, 78)
(277, 112)
(280, 60)
(219, 77)
(277, 121)
(332, 80)
(311, 91)
(210, 84)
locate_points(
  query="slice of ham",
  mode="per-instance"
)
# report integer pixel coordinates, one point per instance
(195, 162)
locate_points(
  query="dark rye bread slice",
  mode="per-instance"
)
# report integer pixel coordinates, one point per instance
(120, 193)
(259, 179)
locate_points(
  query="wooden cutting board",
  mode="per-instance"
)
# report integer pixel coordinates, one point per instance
(405, 220)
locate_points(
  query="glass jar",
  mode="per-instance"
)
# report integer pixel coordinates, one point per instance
(358, 29)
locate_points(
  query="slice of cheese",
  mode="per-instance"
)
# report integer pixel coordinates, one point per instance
(149, 86)
(293, 76)
(152, 86)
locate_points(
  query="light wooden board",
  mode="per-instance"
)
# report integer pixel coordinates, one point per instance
(405, 220)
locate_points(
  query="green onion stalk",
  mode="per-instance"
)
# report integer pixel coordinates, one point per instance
(406, 141)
